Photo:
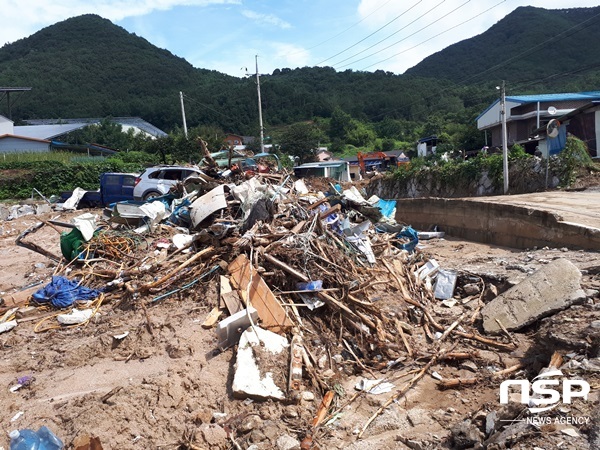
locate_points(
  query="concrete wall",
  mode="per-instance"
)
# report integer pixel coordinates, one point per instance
(499, 224)
(526, 176)
(6, 126)
(11, 144)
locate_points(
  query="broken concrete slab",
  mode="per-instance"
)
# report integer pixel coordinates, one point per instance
(554, 287)
(4, 213)
(43, 208)
(254, 373)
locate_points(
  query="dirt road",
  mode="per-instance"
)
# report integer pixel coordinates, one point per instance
(165, 387)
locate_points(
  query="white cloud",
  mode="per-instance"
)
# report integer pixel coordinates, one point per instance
(39, 13)
(289, 55)
(268, 19)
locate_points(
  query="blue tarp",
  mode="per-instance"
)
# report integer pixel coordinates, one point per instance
(386, 207)
(557, 144)
(410, 233)
(62, 292)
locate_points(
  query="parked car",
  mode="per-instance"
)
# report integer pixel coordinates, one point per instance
(114, 187)
(158, 180)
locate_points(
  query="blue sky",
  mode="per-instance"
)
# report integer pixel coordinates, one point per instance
(225, 35)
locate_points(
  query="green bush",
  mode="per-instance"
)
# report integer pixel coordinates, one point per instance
(17, 179)
(574, 157)
(454, 172)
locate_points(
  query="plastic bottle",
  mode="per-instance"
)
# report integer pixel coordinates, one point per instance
(43, 439)
(24, 440)
(48, 440)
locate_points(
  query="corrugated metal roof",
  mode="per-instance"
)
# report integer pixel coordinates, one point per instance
(336, 163)
(24, 138)
(591, 95)
(46, 131)
(534, 98)
(137, 122)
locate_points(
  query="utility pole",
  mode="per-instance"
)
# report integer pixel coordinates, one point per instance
(260, 120)
(183, 115)
(504, 138)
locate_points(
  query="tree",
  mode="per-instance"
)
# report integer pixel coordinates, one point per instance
(360, 134)
(340, 124)
(211, 134)
(300, 140)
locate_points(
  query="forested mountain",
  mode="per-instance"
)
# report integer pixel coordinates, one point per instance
(552, 46)
(88, 67)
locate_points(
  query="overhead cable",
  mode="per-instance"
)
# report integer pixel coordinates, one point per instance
(374, 32)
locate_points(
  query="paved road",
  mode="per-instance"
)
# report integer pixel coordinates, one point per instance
(581, 207)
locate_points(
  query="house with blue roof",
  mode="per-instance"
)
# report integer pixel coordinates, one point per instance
(528, 115)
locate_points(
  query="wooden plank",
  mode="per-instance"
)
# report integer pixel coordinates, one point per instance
(212, 318)
(21, 297)
(330, 211)
(253, 290)
(317, 203)
(229, 297)
(232, 302)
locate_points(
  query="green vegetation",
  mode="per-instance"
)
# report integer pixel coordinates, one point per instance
(528, 44)
(453, 172)
(574, 159)
(72, 75)
(53, 176)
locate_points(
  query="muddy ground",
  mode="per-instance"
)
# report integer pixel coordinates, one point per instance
(166, 386)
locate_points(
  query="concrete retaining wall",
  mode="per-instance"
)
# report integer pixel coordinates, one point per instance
(499, 224)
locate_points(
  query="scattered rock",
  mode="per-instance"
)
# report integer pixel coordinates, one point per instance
(490, 293)
(287, 442)
(290, 412)
(308, 396)
(250, 423)
(43, 208)
(214, 435)
(418, 416)
(471, 289)
(469, 365)
(466, 435)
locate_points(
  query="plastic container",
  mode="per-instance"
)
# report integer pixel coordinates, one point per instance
(315, 285)
(445, 284)
(43, 439)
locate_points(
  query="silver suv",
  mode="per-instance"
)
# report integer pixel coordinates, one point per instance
(158, 180)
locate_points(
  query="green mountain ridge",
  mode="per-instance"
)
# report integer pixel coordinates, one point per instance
(88, 67)
(529, 43)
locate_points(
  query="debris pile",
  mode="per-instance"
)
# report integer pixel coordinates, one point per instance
(307, 284)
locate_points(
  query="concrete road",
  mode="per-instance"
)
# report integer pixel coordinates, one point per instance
(581, 207)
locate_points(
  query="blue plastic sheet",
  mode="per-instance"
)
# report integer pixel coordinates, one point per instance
(62, 292)
(386, 206)
(410, 233)
(557, 144)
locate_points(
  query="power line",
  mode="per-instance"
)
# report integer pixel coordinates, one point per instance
(342, 32)
(187, 97)
(377, 43)
(374, 32)
(427, 40)
(525, 52)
